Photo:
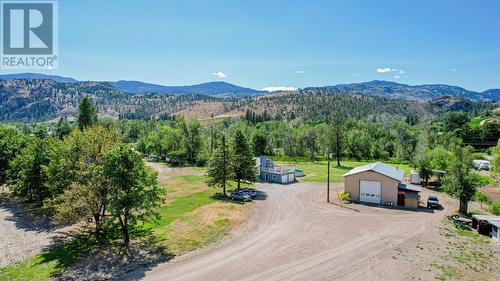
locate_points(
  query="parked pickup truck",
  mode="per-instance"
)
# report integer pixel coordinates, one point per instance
(433, 202)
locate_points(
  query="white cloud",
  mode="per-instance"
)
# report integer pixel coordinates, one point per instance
(299, 71)
(383, 70)
(279, 88)
(219, 74)
(402, 72)
(397, 77)
(453, 69)
(394, 69)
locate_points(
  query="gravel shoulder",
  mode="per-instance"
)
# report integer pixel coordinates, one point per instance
(295, 235)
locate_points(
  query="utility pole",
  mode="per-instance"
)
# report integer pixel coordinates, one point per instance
(328, 180)
(225, 163)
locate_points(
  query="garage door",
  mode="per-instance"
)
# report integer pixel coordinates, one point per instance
(369, 191)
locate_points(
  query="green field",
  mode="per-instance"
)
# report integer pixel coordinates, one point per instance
(317, 171)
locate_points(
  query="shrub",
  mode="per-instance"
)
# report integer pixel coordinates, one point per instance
(345, 196)
(495, 208)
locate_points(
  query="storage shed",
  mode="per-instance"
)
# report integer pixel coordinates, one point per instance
(379, 183)
(487, 225)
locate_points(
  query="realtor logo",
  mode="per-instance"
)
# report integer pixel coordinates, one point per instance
(29, 35)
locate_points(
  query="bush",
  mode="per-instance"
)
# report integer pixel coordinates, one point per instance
(480, 197)
(495, 209)
(345, 196)
(202, 160)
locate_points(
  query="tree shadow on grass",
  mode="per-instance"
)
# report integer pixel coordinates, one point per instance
(83, 256)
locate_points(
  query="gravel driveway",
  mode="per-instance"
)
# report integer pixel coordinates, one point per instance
(20, 236)
(295, 235)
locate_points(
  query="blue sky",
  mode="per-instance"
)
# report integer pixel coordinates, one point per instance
(282, 43)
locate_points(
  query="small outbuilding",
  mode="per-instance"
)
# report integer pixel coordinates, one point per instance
(487, 225)
(379, 183)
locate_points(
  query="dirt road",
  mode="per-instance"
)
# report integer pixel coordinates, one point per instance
(295, 235)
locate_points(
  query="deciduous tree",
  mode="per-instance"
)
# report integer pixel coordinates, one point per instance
(134, 192)
(459, 182)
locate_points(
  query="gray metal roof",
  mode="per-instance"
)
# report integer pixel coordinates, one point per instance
(486, 217)
(381, 168)
(495, 223)
(410, 187)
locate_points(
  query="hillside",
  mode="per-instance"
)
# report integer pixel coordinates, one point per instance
(219, 88)
(402, 91)
(35, 100)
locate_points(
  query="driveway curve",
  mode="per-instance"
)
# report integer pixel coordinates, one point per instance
(295, 235)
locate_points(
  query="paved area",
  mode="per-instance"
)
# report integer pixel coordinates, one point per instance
(295, 235)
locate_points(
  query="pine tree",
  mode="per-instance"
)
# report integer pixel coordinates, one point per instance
(219, 169)
(87, 114)
(63, 128)
(243, 164)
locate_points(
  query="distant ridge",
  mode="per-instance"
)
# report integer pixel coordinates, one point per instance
(389, 89)
(37, 76)
(219, 88)
(211, 88)
(377, 88)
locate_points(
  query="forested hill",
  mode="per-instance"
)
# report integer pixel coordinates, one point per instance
(417, 92)
(37, 100)
(319, 103)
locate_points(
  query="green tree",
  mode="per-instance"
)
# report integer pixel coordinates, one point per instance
(481, 198)
(134, 193)
(219, 169)
(242, 163)
(423, 166)
(79, 169)
(311, 141)
(11, 142)
(63, 128)
(26, 175)
(192, 139)
(337, 127)
(459, 182)
(496, 158)
(87, 114)
(259, 144)
(456, 123)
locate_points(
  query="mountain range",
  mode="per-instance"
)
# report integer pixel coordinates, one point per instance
(42, 100)
(377, 88)
(218, 88)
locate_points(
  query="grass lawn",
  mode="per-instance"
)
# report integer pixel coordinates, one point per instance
(317, 171)
(193, 216)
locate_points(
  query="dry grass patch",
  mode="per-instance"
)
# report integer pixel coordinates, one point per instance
(203, 226)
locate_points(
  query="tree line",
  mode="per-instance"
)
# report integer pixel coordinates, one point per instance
(81, 173)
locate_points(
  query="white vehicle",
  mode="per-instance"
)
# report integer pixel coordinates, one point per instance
(481, 164)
